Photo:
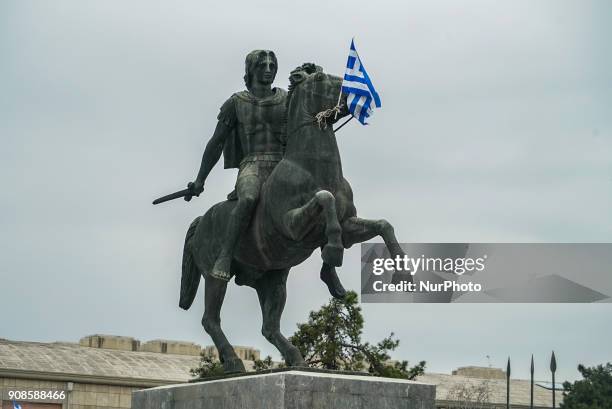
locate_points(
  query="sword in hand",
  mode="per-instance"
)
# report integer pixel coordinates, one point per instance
(188, 194)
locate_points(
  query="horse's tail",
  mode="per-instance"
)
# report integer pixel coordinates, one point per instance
(190, 278)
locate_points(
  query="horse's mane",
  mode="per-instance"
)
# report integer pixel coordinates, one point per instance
(297, 76)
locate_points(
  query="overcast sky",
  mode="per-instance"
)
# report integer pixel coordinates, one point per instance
(496, 126)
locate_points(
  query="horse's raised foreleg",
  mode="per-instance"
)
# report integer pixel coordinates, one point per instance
(272, 293)
(214, 293)
(358, 230)
(299, 221)
(330, 278)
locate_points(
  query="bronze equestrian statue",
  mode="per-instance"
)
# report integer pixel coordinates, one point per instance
(304, 204)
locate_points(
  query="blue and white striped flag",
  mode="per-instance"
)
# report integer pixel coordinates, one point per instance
(358, 86)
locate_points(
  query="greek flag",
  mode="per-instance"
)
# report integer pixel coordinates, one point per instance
(16, 405)
(358, 86)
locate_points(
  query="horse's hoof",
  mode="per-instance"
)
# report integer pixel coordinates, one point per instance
(332, 255)
(330, 278)
(294, 358)
(233, 366)
(297, 362)
(301, 364)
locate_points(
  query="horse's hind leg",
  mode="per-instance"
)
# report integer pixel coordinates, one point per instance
(214, 293)
(272, 293)
(299, 221)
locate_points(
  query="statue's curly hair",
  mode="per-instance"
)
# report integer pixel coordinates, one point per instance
(251, 60)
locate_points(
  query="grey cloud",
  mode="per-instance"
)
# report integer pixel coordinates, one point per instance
(495, 126)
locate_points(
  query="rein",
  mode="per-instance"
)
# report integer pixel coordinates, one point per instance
(302, 125)
(323, 115)
(321, 119)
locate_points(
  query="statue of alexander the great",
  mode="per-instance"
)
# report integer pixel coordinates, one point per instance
(251, 134)
(306, 203)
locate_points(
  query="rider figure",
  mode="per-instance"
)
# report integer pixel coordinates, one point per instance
(251, 133)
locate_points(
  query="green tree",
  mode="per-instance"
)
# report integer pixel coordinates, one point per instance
(207, 367)
(331, 339)
(263, 364)
(592, 392)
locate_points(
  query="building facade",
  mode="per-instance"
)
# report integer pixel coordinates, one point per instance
(101, 371)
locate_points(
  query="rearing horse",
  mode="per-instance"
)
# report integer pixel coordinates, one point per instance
(305, 204)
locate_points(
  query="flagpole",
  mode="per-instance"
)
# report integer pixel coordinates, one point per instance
(339, 97)
(338, 103)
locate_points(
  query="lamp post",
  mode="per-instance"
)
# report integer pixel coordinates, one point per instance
(531, 394)
(508, 385)
(553, 369)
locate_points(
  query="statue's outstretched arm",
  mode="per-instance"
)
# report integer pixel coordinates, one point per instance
(212, 153)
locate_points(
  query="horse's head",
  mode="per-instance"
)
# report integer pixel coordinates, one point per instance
(313, 96)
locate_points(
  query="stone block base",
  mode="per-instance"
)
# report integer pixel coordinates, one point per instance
(293, 389)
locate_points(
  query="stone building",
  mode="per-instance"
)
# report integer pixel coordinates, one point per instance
(468, 391)
(482, 372)
(101, 371)
(247, 354)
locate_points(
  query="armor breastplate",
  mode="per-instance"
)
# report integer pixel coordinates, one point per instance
(263, 116)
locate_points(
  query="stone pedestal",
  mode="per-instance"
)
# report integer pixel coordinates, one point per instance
(292, 389)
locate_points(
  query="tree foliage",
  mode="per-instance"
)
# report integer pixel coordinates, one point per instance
(331, 339)
(592, 392)
(263, 364)
(207, 367)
